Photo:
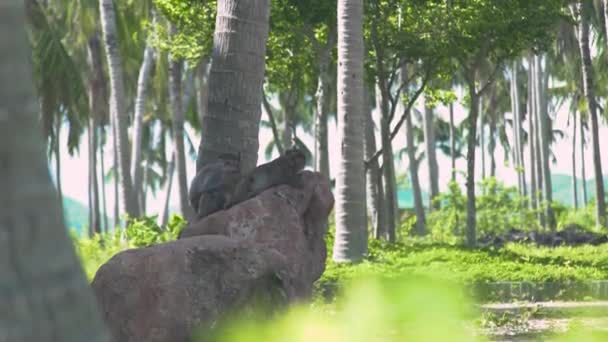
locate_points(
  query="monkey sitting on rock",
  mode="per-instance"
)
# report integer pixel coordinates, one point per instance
(219, 185)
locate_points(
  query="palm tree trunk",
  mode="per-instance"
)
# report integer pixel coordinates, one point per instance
(375, 191)
(492, 148)
(431, 155)
(57, 147)
(177, 120)
(117, 104)
(106, 227)
(138, 122)
(202, 89)
(45, 295)
(322, 108)
(471, 232)
(350, 242)
(116, 179)
(583, 171)
(589, 90)
(164, 215)
(97, 108)
(452, 142)
(388, 165)
(544, 134)
(289, 109)
(574, 180)
(519, 161)
(537, 139)
(420, 228)
(235, 82)
(532, 140)
(482, 140)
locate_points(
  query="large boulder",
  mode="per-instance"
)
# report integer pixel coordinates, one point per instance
(270, 247)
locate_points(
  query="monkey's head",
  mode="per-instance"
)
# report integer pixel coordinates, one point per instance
(231, 160)
(296, 159)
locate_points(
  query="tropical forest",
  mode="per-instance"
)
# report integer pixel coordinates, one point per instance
(303, 170)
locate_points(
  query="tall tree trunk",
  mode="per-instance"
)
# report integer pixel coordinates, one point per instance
(471, 232)
(57, 147)
(350, 242)
(163, 218)
(116, 178)
(97, 109)
(289, 109)
(117, 104)
(574, 180)
(102, 171)
(420, 228)
(545, 131)
(492, 147)
(431, 155)
(95, 221)
(537, 141)
(375, 190)
(322, 109)
(388, 165)
(45, 295)
(482, 139)
(589, 90)
(235, 82)
(532, 140)
(452, 142)
(177, 121)
(202, 89)
(138, 123)
(517, 129)
(583, 171)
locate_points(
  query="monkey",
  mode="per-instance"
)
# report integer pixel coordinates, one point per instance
(279, 171)
(213, 185)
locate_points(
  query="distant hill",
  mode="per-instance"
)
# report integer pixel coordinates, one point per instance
(77, 215)
(562, 188)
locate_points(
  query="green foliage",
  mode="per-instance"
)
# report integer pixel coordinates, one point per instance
(195, 23)
(373, 309)
(499, 208)
(146, 232)
(97, 250)
(472, 267)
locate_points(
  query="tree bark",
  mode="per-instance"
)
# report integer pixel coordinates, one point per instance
(532, 140)
(574, 180)
(420, 228)
(517, 129)
(117, 105)
(163, 218)
(583, 171)
(492, 147)
(235, 82)
(452, 142)
(202, 89)
(471, 232)
(589, 91)
(97, 109)
(177, 121)
(482, 140)
(102, 171)
(350, 242)
(431, 155)
(545, 131)
(45, 295)
(138, 123)
(375, 190)
(57, 148)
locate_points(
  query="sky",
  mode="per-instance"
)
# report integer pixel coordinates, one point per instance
(74, 173)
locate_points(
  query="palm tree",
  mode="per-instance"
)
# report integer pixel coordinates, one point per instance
(431, 155)
(117, 105)
(351, 232)
(420, 228)
(582, 12)
(42, 270)
(235, 82)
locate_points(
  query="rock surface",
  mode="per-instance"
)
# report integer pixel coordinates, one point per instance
(268, 248)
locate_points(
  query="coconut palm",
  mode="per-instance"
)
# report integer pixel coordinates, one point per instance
(350, 242)
(44, 269)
